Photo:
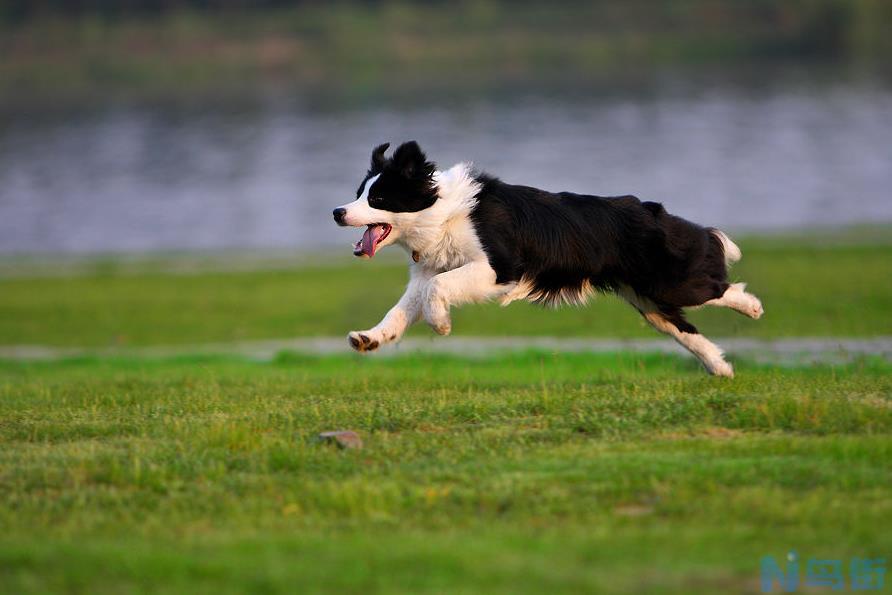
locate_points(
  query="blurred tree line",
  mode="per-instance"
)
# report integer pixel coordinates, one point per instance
(25, 9)
(838, 12)
(831, 25)
(71, 44)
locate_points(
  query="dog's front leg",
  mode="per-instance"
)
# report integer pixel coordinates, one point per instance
(473, 282)
(406, 312)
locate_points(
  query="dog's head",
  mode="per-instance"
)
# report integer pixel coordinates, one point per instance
(392, 194)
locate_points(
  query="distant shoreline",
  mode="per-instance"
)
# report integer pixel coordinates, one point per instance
(233, 260)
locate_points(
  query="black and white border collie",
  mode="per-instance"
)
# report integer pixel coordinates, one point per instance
(474, 238)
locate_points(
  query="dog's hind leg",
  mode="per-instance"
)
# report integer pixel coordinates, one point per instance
(406, 312)
(673, 323)
(736, 298)
(686, 334)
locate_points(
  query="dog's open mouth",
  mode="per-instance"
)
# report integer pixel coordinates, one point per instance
(371, 237)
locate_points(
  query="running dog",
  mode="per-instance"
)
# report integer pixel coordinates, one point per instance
(474, 238)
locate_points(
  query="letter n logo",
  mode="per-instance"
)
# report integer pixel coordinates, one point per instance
(771, 573)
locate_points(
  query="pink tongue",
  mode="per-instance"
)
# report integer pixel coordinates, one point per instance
(369, 240)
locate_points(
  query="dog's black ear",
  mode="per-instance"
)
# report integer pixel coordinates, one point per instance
(410, 161)
(378, 158)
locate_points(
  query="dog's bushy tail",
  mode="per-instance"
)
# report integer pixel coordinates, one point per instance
(732, 252)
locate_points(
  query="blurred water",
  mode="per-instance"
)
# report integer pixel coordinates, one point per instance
(266, 172)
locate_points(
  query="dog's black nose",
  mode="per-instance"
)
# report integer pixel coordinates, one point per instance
(339, 215)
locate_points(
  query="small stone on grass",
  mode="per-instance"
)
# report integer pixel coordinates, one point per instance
(342, 438)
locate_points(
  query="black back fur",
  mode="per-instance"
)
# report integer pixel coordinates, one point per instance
(563, 241)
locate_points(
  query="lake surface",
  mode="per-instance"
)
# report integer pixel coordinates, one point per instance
(264, 172)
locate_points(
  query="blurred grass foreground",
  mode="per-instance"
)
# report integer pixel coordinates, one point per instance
(138, 44)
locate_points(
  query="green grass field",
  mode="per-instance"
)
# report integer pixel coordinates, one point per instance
(524, 473)
(808, 289)
(511, 473)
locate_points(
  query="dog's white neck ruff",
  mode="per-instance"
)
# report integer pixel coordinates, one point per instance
(443, 236)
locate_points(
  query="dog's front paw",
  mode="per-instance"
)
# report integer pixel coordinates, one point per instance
(442, 327)
(438, 319)
(436, 314)
(362, 341)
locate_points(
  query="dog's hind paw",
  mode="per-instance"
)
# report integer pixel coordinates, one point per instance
(720, 368)
(361, 341)
(755, 310)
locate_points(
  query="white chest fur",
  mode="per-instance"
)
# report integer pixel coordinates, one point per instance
(443, 237)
